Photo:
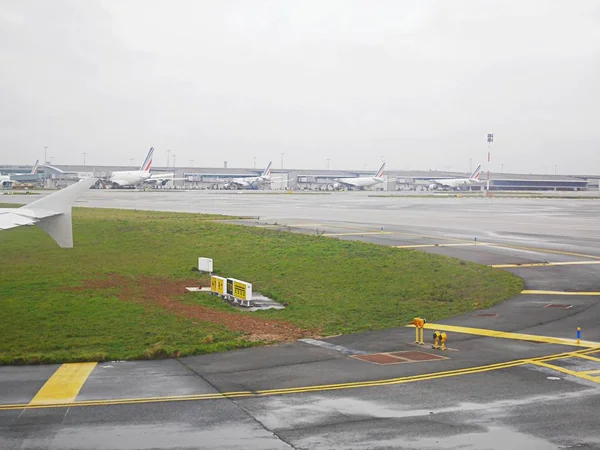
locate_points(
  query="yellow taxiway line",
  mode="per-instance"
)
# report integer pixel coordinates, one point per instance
(442, 238)
(534, 292)
(465, 244)
(357, 231)
(591, 358)
(544, 264)
(508, 335)
(574, 373)
(64, 384)
(543, 250)
(302, 389)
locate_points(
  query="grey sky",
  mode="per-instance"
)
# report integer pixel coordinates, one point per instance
(418, 82)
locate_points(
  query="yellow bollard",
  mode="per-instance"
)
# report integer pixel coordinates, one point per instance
(444, 337)
(436, 339)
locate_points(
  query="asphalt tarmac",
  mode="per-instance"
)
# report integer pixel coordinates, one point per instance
(513, 376)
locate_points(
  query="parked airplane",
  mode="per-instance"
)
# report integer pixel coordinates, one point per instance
(360, 182)
(7, 182)
(457, 183)
(250, 182)
(127, 178)
(132, 178)
(51, 213)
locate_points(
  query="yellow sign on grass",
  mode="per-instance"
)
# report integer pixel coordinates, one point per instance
(217, 284)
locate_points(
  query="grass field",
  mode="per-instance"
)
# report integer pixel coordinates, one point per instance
(119, 293)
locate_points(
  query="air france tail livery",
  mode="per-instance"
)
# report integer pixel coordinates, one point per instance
(7, 182)
(361, 182)
(250, 182)
(34, 169)
(133, 177)
(457, 183)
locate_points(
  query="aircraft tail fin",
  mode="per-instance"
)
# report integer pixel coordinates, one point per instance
(475, 175)
(34, 169)
(267, 171)
(145, 167)
(54, 211)
(380, 172)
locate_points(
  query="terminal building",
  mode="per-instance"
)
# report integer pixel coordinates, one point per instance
(56, 176)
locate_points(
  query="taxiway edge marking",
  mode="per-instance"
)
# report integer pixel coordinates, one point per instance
(536, 292)
(543, 264)
(567, 371)
(302, 389)
(64, 384)
(509, 335)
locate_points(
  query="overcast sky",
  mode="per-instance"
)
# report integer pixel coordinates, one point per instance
(419, 83)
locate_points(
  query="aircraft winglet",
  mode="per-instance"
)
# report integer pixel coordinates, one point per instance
(51, 213)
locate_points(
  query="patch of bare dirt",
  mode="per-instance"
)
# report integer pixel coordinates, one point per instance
(162, 292)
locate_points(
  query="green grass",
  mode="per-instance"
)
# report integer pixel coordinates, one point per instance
(333, 286)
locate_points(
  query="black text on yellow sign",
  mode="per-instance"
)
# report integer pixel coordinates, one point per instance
(241, 290)
(217, 284)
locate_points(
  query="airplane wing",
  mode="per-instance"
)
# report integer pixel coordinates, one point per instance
(161, 176)
(51, 213)
(10, 219)
(162, 180)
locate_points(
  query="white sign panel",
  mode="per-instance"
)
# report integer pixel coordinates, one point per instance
(205, 265)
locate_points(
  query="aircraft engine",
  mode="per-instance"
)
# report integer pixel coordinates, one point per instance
(433, 187)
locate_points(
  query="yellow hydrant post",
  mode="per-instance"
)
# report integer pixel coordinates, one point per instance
(444, 337)
(436, 339)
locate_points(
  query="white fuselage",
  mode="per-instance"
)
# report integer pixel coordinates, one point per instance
(361, 181)
(455, 182)
(248, 181)
(129, 178)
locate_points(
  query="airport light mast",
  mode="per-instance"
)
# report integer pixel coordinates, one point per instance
(490, 139)
(45, 167)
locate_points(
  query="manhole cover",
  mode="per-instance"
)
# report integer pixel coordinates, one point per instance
(486, 315)
(380, 358)
(558, 305)
(416, 356)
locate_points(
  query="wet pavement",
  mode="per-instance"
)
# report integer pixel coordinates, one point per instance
(491, 391)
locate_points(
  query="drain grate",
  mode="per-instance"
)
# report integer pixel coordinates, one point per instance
(558, 305)
(486, 315)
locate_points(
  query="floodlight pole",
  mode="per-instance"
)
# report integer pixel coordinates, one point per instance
(45, 167)
(490, 139)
